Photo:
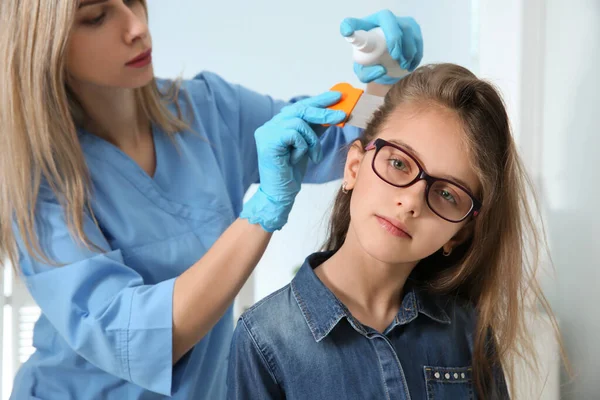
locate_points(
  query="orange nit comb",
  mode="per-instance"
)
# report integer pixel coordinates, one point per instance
(350, 96)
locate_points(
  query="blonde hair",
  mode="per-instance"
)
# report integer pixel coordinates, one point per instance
(39, 118)
(495, 270)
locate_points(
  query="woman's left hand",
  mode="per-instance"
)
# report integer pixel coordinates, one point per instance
(404, 43)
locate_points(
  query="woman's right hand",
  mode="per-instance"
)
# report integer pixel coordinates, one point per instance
(284, 145)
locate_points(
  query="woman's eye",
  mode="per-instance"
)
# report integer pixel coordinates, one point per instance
(95, 21)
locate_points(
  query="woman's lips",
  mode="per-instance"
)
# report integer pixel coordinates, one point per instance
(141, 60)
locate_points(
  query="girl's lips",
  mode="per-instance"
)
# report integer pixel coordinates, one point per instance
(393, 226)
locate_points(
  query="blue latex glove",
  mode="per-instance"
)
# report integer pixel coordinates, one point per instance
(284, 144)
(404, 42)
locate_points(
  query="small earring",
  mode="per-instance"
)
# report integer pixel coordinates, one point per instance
(344, 190)
(446, 253)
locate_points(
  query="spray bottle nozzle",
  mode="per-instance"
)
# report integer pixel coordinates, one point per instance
(370, 48)
(360, 40)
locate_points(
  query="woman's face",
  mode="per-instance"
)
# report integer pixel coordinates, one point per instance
(434, 137)
(106, 39)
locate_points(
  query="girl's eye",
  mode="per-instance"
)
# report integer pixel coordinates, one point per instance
(446, 195)
(398, 164)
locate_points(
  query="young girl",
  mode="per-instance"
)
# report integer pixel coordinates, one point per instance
(421, 289)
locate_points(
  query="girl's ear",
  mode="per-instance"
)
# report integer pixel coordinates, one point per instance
(353, 160)
(460, 237)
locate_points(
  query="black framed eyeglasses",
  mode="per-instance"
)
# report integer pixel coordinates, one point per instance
(448, 200)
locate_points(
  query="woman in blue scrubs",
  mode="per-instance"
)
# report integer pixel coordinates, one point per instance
(121, 195)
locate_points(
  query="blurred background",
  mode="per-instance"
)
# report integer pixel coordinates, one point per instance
(542, 54)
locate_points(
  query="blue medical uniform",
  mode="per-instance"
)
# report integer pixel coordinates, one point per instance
(106, 325)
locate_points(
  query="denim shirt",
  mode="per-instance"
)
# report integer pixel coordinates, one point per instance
(301, 342)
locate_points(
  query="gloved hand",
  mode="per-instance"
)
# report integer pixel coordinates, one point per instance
(284, 145)
(404, 42)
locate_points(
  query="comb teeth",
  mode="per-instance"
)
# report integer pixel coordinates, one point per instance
(364, 109)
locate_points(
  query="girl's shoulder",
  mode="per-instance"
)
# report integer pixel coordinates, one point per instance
(266, 313)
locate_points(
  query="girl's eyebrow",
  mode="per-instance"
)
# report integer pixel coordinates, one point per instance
(407, 147)
(459, 181)
(415, 153)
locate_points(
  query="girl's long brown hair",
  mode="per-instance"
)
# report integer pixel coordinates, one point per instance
(495, 270)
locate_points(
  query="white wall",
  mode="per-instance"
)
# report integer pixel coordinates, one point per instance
(287, 48)
(284, 49)
(544, 55)
(571, 181)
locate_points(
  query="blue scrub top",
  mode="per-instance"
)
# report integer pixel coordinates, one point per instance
(106, 324)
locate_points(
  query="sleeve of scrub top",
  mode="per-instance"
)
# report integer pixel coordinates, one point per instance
(249, 376)
(99, 306)
(243, 111)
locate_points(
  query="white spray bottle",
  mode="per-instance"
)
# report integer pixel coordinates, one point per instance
(370, 48)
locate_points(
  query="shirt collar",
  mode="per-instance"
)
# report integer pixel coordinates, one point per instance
(322, 310)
